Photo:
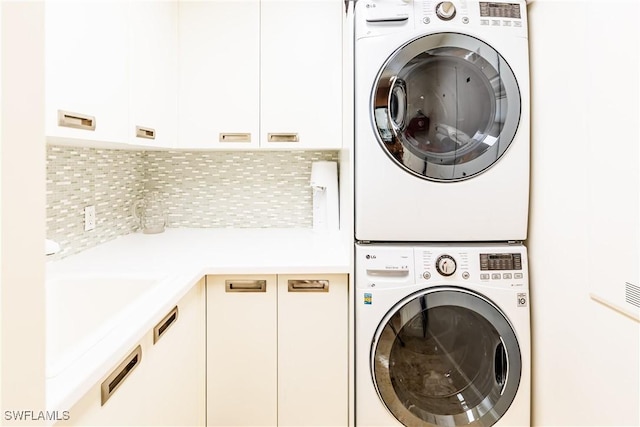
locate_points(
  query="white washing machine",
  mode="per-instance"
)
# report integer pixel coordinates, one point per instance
(442, 335)
(441, 120)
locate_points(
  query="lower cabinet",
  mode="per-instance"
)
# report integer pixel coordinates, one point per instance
(277, 350)
(242, 345)
(276, 354)
(157, 384)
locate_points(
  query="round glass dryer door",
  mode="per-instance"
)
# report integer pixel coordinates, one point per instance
(447, 357)
(446, 106)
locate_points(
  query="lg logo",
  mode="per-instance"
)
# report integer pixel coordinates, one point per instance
(370, 256)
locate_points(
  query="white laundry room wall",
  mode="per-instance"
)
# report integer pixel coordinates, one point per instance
(584, 218)
(22, 201)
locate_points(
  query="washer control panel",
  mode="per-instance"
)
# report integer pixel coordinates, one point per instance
(389, 266)
(496, 265)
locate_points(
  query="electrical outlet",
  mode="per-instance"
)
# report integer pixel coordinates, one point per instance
(89, 218)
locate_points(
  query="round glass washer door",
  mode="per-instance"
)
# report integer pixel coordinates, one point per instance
(446, 357)
(446, 106)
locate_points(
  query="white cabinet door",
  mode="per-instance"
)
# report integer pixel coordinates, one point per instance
(219, 80)
(176, 365)
(313, 350)
(242, 350)
(301, 74)
(166, 386)
(125, 406)
(86, 70)
(153, 94)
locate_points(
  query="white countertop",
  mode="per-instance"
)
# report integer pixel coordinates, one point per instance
(182, 257)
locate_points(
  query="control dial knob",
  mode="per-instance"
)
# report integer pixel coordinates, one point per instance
(446, 265)
(446, 10)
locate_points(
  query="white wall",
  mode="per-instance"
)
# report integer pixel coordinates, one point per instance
(584, 82)
(22, 168)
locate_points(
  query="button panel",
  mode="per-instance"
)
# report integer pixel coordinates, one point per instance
(501, 10)
(503, 277)
(501, 261)
(500, 23)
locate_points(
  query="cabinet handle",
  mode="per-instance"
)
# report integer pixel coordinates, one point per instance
(245, 285)
(117, 377)
(308, 286)
(235, 137)
(148, 133)
(283, 137)
(76, 120)
(163, 325)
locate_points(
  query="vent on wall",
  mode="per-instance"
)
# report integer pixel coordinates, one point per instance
(632, 294)
(626, 303)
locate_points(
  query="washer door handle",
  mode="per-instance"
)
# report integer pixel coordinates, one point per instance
(397, 104)
(501, 364)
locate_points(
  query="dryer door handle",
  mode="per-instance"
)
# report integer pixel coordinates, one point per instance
(397, 104)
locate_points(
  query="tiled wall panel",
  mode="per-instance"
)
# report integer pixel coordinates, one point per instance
(234, 189)
(244, 189)
(110, 180)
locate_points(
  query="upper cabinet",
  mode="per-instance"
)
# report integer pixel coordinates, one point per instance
(219, 89)
(111, 72)
(153, 65)
(260, 74)
(301, 74)
(86, 70)
(225, 74)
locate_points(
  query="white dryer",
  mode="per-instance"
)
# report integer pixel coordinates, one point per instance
(442, 335)
(441, 120)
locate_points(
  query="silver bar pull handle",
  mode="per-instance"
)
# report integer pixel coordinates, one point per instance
(76, 120)
(245, 286)
(283, 137)
(117, 377)
(308, 286)
(164, 324)
(148, 133)
(235, 137)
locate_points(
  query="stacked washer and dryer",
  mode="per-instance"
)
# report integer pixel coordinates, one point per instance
(442, 328)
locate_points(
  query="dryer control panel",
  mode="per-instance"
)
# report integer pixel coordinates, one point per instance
(379, 17)
(494, 14)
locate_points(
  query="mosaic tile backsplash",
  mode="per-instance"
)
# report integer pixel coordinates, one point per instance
(247, 189)
(77, 177)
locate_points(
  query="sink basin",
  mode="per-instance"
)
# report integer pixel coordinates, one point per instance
(82, 310)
